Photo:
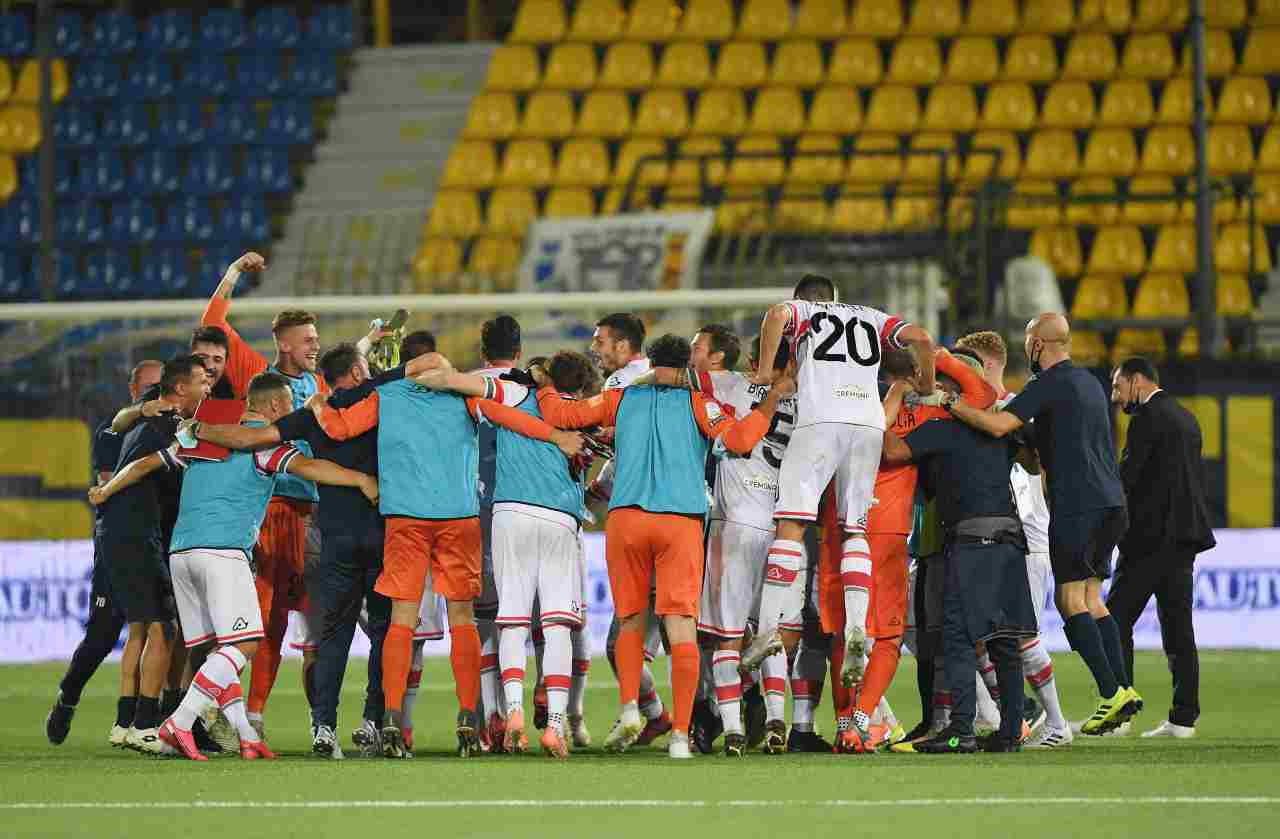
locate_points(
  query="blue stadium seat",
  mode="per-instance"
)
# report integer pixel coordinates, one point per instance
(80, 221)
(95, 80)
(266, 170)
(68, 34)
(112, 33)
(148, 79)
(205, 75)
(180, 124)
(168, 31)
(314, 74)
(233, 123)
(64, 180)
(221, 30)
(21, 220)
(245, 220)
(330, 27)
(259, 74)
(66, 265)
(289, 123)
(101, 175)
(15, 34)
(209, 268)
(188, 220)
(17, 280)
(209, 172)
(154, 172)
(126, 126)
(134, 220)
(74, 127)
(276, 27)
(110, 270)
(164, 272)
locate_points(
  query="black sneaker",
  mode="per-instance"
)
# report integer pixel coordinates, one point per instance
(468, 731)
(392, 736)
(204, 742)
(705, 727)
(58, 724)
(807, 741)
(1033, 713)
(735, 744)
(947, 742)
(994, 743)
(775, 737)
(753, 713)
(922, 729)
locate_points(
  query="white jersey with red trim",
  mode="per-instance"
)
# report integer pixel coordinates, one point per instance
(628, 373)
(837, 347)
(506, 392)
(746, 489)
(1028, 493)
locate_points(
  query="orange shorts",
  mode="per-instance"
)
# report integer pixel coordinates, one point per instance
(643, 547)
(887, 610)
(448, 549)
(280, 556)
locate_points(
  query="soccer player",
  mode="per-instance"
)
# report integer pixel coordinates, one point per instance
(656, 510)
(838, 430)
(209, 344)
(106, 620)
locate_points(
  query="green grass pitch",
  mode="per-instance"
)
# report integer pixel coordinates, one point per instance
(1224, 783)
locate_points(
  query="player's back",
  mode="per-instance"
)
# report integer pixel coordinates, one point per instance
(529, 471)
(661, 452)
(746, 488)
(428, 454)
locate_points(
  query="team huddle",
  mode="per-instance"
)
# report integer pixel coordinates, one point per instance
(764, 529)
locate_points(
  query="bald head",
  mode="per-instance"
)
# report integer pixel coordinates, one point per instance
(1048, 340)
(1050, 327)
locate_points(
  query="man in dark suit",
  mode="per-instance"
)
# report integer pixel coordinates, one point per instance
(1169, 525)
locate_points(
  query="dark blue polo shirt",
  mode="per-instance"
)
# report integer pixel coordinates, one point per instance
(104, 455)
(144, 514)
(967, 469)
(341, 508)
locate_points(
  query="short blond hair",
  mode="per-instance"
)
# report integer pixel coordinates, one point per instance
(290, 318)
(985, 343)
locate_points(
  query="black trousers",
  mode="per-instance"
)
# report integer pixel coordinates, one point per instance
(1169, 576)
(101, 632)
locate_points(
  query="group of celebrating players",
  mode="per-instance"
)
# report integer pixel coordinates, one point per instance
(760, 528)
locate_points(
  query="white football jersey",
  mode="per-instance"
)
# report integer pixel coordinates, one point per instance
(634, 369)
(1028, 494)
(746, 490)
(837, 352)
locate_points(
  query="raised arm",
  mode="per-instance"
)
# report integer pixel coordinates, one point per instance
(127, 477)
(771, 330)
(922, 342)
(243, 362)
(974, 389)
(331, 474)
(599, 410)
(345, 423)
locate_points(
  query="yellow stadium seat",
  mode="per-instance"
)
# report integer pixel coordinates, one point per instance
(1117, 250)
(1148, 343)
(1148, 56)
(1161, 296)
(1226, 14)
(797, 214)
(1105, 15)
(1068, 105)
(538, 21)
(26, 91)
(549, 114)
(1224, 208)
(571, 67)
(1009, 106)
(913, 211)
(493, 116)
(494, 255)
(569, 202)
(1168, 150)
(653, 20)
(741, 64)
(526, 163)
(454, 213)
(707, 20)
(915, 61)
(1175, 249)
(6, 82)
(859, 214)
(746, 212)
(1162, 15)
(471, 163)
(820, 18)
(992, 17)
(856, 61)
(1047, 16)
(877, 167)
(746, 170)
(606, 113)
(1091, 56)
(513, 67)
(1234, 297)
(797, 63)
(1112, 152)
(951, 107)
(720, 111)
(1060, 247)
(1176, 106)
(877, 18)
(714, 164)
(8, 177)
(510, 211)
(973, 60)
(1265, 13)
(640, 199)
(684, 64)
(765, 20)
(652, 173)
(1245, 99)
(1031, 58)
(928, 168)
(1232, 251)
(777, 110)
(979, 166)
(1100, 297)
(437, 256)
(1269, 153)
(1034, 204)
(662, 113)
(678, 202)
(893, 108)
(1219, 54)
(1151, 211)
(1052, 154)
(597, 20)
(1127, 103)
(627, 65)
(936, 17)
(835, 110)
(1267, 204)
(1103, 206)
(583, 162)
(1230, 150)
(808, 166)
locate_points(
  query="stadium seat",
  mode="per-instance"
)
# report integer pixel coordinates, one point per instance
(26, 90)
(1161, 15)
(150, 79)
(438, 256)
(526, 163)
(65, 183)
(180, 124)
(1111, 152)
(1117, 250)
(684, 64)
(1094, 201)
(167, 31)
(877, 18)
(817, 160)
(74, 127)
(707, 20)
(209, 172)
(597, 20)
(289, 123)
(513, 67)
(15, 34)
(112, 33)
(714, 167)
(652, 20)
(492, 116)
(471, 163)
(859, 214)
(330, 28)
(1068, 105)
(1225, 208)
(1151, 211)
(835, 110)
(938, 17)
(1127, 103)
(797, 63)
(1034, 204)
(979, 166)
(795, 214)
(1091, 56)
(101, 175)
(1219, 54)
(1100, 297)
(950, 107)
(923, 168)
(972, 60)
(1175, 249)
(8, 177)
(1231, 253)
(17, 281)
(275, 28)
(68, 34)
(1267, 204)
(81, 222)
(1245, 99)
(893, 109)
(1052, 154)
(1105, 15)
(743, 213)
(258, 73)
(221, 30)
(570, 67)
(19, 129)
(233, 123)
(1030, 58)
(627, 66)
(133, 221)
(1269, 152)
(569, 202)
(1158, 296)
(1234, 298)
(454, 213)
(510, 211)
(911, 211)
(1230, 151)
(665, 113)
(538, 21)
(95, 80)
(741, 64)
(1226, 14)
(109, 273)
(856, 61)
(547, 114)
(652, 173)
(203, 76)
(820, 19)
(605, 113)
(1176, 105)
(747, 170)
(1009, 106)
(1265, 13)
(1060, 248)
(1050, 16)
(1168, 150)
(765, 20)
(777, 110)
(244, 219)
(915, 61)
(266, 170)
(1148, 56)
(582, 162)
(6, 82)
(313, 74)
(719, 111)
(992, 17)
(153, 172)
(494, 255)
(877, 167)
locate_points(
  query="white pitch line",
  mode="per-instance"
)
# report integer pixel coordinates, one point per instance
(602, 803)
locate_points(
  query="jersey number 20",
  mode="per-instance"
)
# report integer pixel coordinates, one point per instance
(848, 330)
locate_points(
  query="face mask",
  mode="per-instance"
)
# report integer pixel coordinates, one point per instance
(1036, 370)
(1132, 404)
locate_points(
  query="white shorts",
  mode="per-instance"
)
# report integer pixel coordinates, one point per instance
(433, 615)
(537, 554)
(307, 624)
(817, 453)
(736, 556)
(1040, 578)
(216, 597)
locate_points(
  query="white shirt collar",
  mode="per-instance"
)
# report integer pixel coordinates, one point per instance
(1151, 394)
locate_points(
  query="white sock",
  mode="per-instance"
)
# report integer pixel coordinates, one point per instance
(1038, 668)
(650, 702)
(885, 712)
(807, 674)
(987, 711)
(411, 689)
(512, 658)
(558, 657)
(217, 682)
(855, 578)
(774, 670)
(490, 701)
(581, 666)
(987, 671)
(782, 595)
(728, 685)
